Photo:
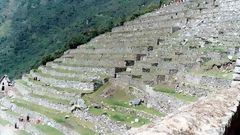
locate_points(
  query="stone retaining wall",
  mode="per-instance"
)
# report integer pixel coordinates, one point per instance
(39, 89)
(83, 69)
(88, 86)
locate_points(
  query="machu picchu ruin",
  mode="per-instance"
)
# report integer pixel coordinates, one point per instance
(173, 71)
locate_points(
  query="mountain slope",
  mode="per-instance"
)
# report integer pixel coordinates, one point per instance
(33, 30)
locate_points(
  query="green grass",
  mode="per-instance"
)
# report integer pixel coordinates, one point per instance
(62, 77)
(128, 119)
(4, 122)
(125, 103)
(51, 99)
(22, 82)
(118, 98)
(79, 72)
(172, 92)
(81, 126)
(48, 130)
(149, 110)
(69, 90)
(122, 117)
(22, 132)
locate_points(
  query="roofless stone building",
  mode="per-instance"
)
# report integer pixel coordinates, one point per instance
(5, 83)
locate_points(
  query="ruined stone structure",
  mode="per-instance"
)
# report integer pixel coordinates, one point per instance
(190, 47)
(5, 83)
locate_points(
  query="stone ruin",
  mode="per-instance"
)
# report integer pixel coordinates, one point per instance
(190, 47)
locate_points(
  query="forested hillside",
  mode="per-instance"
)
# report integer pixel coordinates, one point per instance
(35, 31)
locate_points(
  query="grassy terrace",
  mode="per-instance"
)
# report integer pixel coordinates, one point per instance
(171, 92)
(48, 130)
(4, 122)
(124, 118)
(39, 72)
(51, 99)
(81, 126)
(103, 75)
(108, 55)
(119, 98)
(44, 85)
(22, 132)
(89, 65)
(99, 57)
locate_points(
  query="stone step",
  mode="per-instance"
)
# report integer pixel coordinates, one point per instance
(138, 43)
(114, 49)
(85, 87)
(142, 37)
(110, 56)
(64, 76)
(47, 88)
(130, 34)
(73, 76)
(95, 42)
(167, 29)
(30, 87)
(78, 69)
(47, 103)
(91, 63)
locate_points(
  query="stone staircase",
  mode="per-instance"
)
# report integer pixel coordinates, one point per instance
(177, 46)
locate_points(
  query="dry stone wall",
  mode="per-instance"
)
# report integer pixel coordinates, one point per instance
(209, 116)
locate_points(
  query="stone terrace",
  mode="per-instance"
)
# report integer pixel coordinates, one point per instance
(170, 58)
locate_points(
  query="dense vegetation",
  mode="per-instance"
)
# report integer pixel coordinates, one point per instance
(33, 32)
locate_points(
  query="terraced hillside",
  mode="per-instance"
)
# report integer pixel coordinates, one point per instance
(168, 58)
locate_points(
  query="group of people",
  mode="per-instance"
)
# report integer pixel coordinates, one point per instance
(25, 120)
(21, 120)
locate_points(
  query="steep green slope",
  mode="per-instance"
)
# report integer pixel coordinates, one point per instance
(35, 31)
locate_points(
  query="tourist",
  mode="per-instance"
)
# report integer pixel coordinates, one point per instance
(20, 118)
(15, 126)
(28, 118)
